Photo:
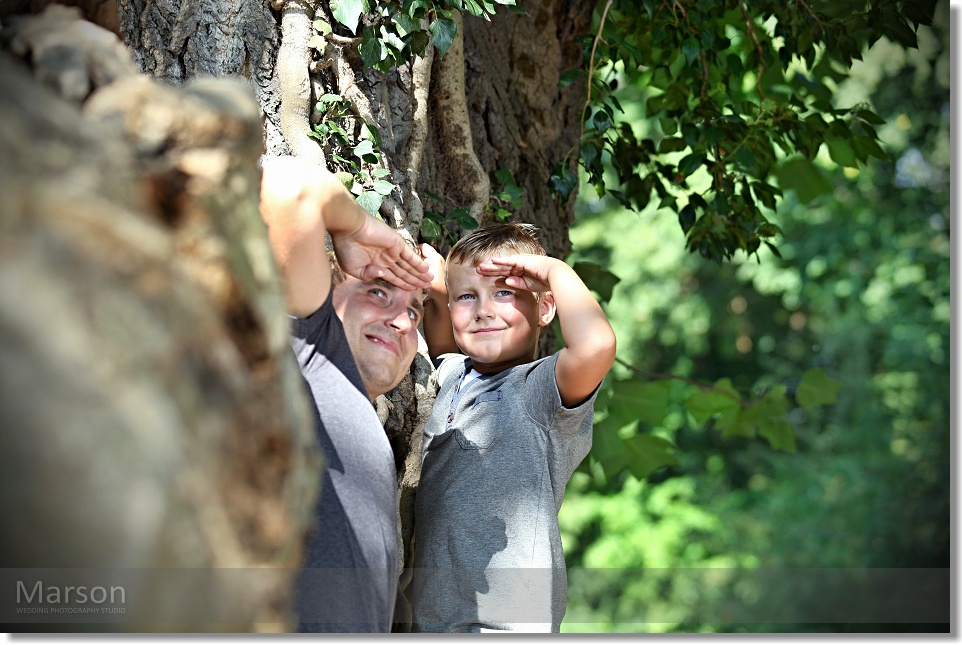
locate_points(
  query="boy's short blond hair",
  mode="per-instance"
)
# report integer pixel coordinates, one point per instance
(494, 240)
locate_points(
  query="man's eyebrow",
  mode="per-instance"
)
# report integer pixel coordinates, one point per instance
(417, 305)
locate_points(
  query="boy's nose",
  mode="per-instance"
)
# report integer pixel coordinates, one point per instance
(483, 309)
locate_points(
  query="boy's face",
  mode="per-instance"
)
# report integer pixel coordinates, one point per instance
(497, 326)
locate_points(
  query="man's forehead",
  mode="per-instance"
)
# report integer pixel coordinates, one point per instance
(413, 296)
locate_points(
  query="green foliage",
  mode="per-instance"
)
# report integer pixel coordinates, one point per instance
(840, 349)
(742, 93)
(395, 32)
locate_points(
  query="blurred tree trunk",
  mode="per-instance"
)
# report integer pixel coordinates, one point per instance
(447, 124)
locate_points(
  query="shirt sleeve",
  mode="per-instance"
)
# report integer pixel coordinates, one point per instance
(319, 338)
(543, 400)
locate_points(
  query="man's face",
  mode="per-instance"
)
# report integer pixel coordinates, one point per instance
(380, 321)
(496, 325)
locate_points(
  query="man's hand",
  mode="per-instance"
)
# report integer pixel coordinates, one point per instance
(529, 272)
(299, 203)
(375, 250)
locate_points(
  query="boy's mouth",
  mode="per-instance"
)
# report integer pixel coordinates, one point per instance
(486, 330)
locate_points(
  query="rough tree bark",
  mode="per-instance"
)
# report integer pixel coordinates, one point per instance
(447, 124)
(152, 414)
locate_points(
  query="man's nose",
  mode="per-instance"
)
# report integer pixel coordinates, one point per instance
(400, 320)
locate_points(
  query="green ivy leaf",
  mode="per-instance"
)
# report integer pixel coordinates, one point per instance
(841, 152)
(370, 201)
(706, 403)
(417, 42)
(380, 172)
(348, 12)
(562, 181)
(803, 177)
(691, 48)
(607, 448)
(365, 150)
(816, 388)
(780, 434)
(672, 144)
(372, 51)
(597, 278)
(346, 178)
(633, 399)
(382, 187)
(568, 77)
(405, 23)
(443, 31)
(648, 454)
(463, 219)
(690, 164)
(430, 230)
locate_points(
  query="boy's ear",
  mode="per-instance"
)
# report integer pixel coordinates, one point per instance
(547, 309)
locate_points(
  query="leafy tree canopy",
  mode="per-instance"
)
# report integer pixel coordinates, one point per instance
(741, 92)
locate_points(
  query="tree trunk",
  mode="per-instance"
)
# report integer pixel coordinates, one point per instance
(446, 124)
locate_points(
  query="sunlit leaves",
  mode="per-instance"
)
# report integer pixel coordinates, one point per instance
(370, 201)
(736, 90)
(348, 12)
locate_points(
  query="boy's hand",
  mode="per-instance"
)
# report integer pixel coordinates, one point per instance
(529, 272)
(438, 333)
(436, 266)
(375, 250)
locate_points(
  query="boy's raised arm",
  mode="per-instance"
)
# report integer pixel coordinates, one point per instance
(299, 203)
(589, 350)
(438, 332)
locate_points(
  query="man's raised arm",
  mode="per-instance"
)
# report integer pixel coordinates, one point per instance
(299, 203)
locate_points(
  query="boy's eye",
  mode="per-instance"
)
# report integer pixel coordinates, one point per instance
(504, 293)
(465, 296)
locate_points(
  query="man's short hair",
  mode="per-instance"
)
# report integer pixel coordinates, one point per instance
(337, 273)
(495, 240)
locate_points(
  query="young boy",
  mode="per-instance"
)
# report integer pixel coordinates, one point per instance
(505, 434)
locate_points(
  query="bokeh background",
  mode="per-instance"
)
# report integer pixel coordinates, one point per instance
(861, 291)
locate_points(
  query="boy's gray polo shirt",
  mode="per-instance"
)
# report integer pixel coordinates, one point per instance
(349, 579)
(488, 551)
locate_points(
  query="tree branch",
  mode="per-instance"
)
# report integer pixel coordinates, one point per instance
(293, 63)
(750, 26)
(703, 386)
(591, 68)
(455, 124)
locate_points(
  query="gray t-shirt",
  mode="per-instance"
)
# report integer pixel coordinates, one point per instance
(350, 575)
(497, 457)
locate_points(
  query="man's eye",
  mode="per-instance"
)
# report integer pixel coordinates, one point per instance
(413, 315)
(378, 292)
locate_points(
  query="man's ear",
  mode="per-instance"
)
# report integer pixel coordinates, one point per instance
(547, 309)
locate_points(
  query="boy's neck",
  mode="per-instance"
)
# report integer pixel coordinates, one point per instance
(494, 368)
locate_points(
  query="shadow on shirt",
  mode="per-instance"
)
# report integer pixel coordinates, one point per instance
(453, 598)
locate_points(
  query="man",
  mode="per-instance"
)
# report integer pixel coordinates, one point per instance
(353, 341)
